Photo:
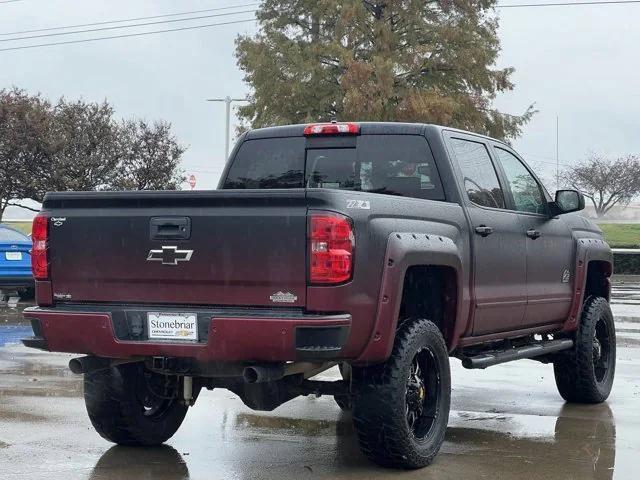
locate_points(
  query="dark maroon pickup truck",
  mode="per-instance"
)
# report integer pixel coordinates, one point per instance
(382, 248)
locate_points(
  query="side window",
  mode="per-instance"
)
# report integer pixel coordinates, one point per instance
(527, 194)
(480, 177)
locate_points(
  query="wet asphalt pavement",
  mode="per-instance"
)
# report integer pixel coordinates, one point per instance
(507, 422)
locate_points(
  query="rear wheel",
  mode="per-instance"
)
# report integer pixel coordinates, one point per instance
(130, 405)
(585, 373)
(401, 408)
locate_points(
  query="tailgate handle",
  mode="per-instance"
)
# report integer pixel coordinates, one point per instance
(170, 228)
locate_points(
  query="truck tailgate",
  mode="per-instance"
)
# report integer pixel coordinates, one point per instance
(202, 248)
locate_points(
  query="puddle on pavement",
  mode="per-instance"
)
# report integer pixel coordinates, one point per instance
(26, 373)
(153, 463)
(34, 361)
(568, 442)
(296, 426)
(44, 389)
(13, 326)
(12, 313)
(31, 369)
(580, 442)
(15, 415)
(12, 316)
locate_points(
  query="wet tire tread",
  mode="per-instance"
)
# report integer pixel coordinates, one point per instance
(116, 416)
(379, 418)
(573, 369)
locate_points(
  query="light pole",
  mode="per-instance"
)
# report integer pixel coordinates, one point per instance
(557, 152)
(228, 101)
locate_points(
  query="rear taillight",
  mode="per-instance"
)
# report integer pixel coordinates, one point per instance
(331, 248)
(39, 252)
(332, 129)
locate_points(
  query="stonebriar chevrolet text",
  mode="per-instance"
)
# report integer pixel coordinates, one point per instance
(383, 248)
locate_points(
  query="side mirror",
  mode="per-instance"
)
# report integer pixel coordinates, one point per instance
(567, 201)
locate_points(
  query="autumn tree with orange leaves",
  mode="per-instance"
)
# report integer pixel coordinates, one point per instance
(393, 60)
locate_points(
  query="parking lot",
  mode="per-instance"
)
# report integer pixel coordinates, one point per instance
(506, 422)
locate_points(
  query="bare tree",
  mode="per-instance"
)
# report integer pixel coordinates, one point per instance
(149, 157)
(83, 150)
(78, 145)
(606, 182)
(24, 127)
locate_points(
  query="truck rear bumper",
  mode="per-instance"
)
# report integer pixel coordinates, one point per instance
(226, 336)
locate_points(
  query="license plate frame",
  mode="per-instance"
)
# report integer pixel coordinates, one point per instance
(13, 256)
(172, 326)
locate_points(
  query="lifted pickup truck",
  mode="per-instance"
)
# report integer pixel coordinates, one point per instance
(383, 248)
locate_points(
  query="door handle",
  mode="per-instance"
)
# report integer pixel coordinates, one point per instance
(533, 233)
(170, 228)
(484, 231)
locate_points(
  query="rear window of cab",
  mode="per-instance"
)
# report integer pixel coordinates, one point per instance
(389, 164)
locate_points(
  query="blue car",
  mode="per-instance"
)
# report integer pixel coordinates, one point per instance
(15, 259)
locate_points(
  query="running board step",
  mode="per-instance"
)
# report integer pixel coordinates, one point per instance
(496, 357)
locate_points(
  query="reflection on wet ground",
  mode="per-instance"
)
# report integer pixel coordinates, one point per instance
(151, 463)
(506, 422)
(13, 327)
(30, 372)
(13, 333)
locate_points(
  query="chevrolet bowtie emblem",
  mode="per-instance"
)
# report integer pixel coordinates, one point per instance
(169, 255)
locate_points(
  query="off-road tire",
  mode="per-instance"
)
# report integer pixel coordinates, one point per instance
(118, 414)
(380, 403)
(576, 370)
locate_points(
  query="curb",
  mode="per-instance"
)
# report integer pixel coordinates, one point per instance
(621, 279)
(623, 318)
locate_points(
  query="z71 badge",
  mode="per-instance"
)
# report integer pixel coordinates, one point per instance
(362, 204)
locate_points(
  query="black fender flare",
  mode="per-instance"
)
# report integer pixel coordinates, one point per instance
(404, 250)
(587, 250)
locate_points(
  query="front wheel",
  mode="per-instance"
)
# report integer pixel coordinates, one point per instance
(130, 405)
(585, 373)
(401, 408)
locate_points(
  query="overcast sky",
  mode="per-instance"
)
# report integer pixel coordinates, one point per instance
(579, 63)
